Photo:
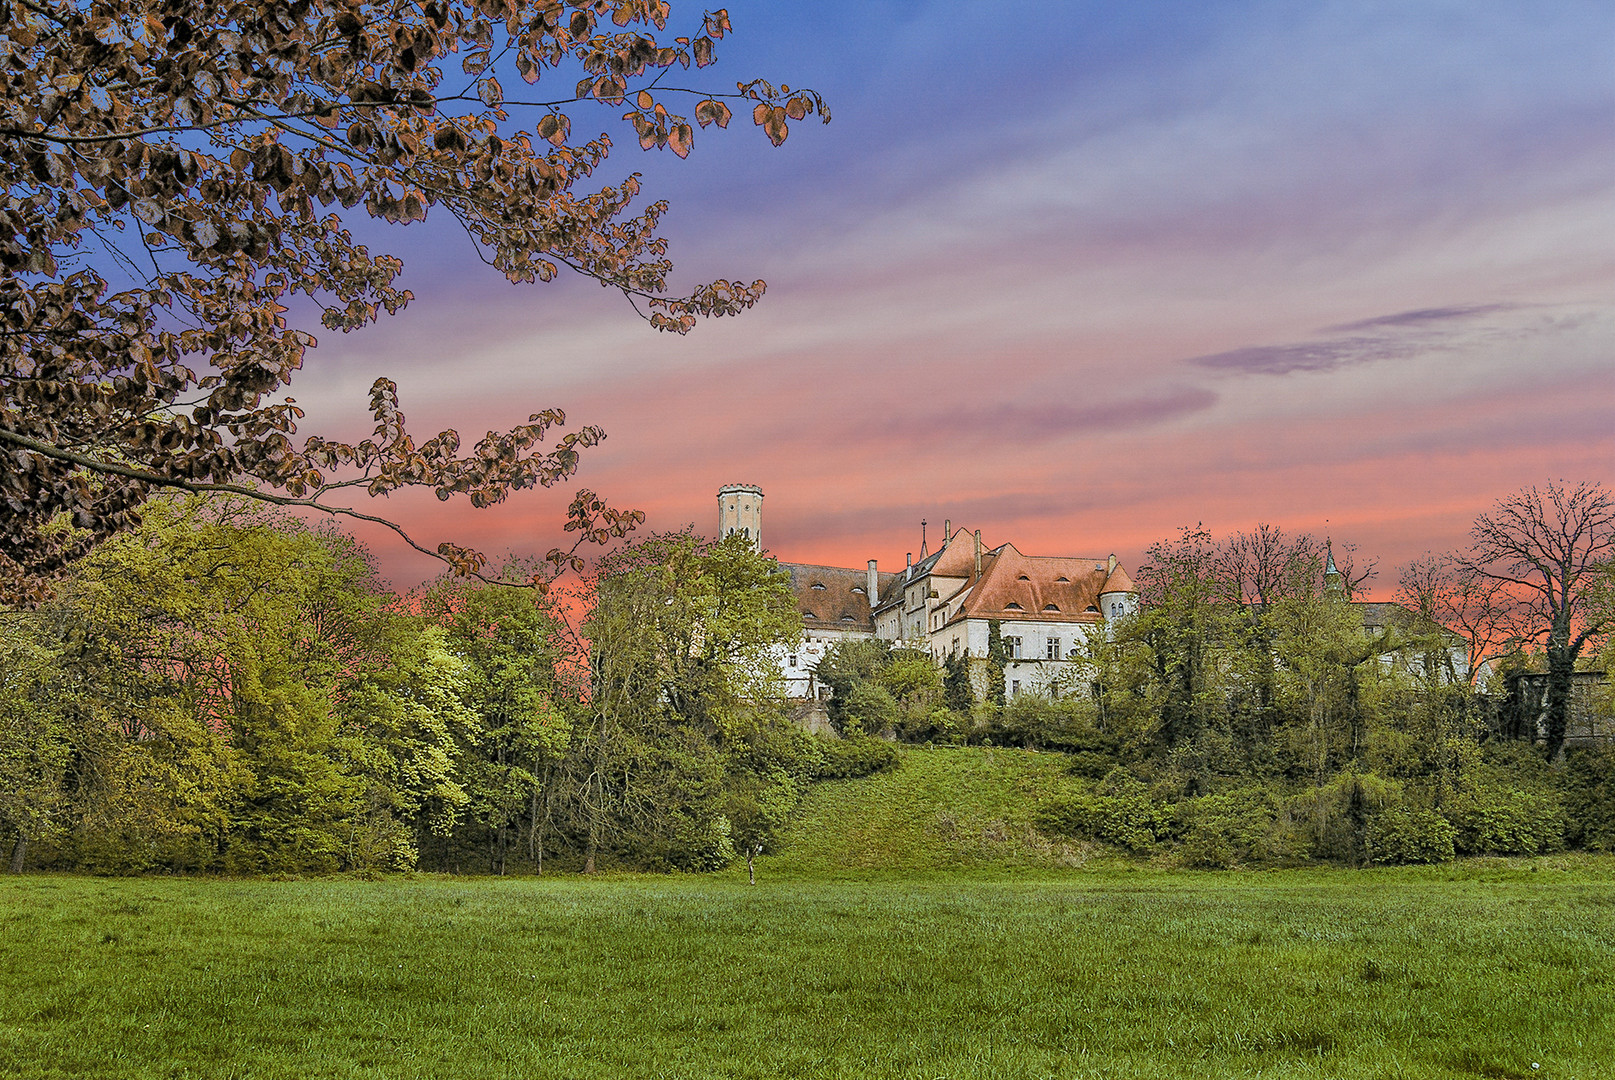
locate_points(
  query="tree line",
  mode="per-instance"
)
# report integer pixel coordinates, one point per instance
(228, 689)
(1255, 709)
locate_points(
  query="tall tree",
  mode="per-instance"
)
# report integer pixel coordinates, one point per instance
(518, 729)
(1546, 547)
(682, 636)
(1185, 606)
(173, 173)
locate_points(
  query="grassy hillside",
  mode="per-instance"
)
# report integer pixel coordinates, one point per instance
(941, 809)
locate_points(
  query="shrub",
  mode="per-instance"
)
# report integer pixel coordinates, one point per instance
(1493, 818)
(857, 756)
(1331, 821)
(1587, 789)
(868, 710)
(1118, 812)
(1091, 764)
(1230, 828)
(1400, 834)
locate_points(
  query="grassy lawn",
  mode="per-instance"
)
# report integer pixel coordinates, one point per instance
(1471, 970)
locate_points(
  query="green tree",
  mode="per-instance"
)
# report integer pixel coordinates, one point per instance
(510, 644)
(682, 637)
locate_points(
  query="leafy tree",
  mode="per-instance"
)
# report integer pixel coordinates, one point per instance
(847, 664)
(173, 175)
(240, 666)
(35, 742)
(681, 635)
(1547, 549)
(510, 645)
(1184, 611)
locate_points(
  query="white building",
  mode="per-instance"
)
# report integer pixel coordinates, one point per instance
(946, 603)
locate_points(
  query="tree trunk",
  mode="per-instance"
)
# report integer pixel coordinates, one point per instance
(751, 873)
(535, 841)
(1561, 662)
(18, 852)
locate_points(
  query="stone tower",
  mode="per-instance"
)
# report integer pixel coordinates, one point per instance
(740, 510)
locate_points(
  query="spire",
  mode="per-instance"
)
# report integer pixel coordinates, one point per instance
(1333, 581)
(923, 549)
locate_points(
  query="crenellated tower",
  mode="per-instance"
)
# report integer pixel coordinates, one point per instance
(740, 510)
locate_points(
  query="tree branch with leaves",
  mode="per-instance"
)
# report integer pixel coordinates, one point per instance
(175, 174)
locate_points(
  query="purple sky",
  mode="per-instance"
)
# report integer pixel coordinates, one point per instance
(1075, 279)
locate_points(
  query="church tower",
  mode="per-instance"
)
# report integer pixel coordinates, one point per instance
(740, 510)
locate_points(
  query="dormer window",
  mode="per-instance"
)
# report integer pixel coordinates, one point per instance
(1013, 606)
(1091, 608)
(1050, 607)
(859, 589)
(818, 585)
(1064, 579)
(809, 615)
(848, 618)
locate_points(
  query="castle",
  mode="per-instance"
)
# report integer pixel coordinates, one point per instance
(946, 603)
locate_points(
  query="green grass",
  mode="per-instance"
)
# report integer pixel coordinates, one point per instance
(949, 808)
(912, 924)
(1472, 970)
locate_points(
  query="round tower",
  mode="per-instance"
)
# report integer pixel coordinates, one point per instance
(740, 510)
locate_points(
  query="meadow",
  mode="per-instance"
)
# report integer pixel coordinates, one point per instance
(1490, 968)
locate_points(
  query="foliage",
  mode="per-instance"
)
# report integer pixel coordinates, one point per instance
(1401, 834)
(1587, 788)
(843, 759)
(1231, 828)
(174, 177)
(681, 636)
(1118, 811)
(846, 664)
(869, 709)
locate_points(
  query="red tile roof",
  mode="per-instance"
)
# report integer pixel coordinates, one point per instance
(1037, 589)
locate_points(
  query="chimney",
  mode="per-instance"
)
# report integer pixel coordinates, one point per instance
(908, 571)
(947, 530)
(978, 552)
(873, 584)
(1112, 569)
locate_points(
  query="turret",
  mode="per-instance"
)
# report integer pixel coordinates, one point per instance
(740, 510)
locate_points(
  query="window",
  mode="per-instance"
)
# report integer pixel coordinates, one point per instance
(818, 585)
(792, 660)
(1051, 649)
(1014, 687)
(1013, 606)
(1051, 607)
(1012, 645)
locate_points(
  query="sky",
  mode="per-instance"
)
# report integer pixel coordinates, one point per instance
(1076, 274)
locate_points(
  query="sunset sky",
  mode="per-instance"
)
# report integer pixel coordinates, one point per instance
(1075, 274)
